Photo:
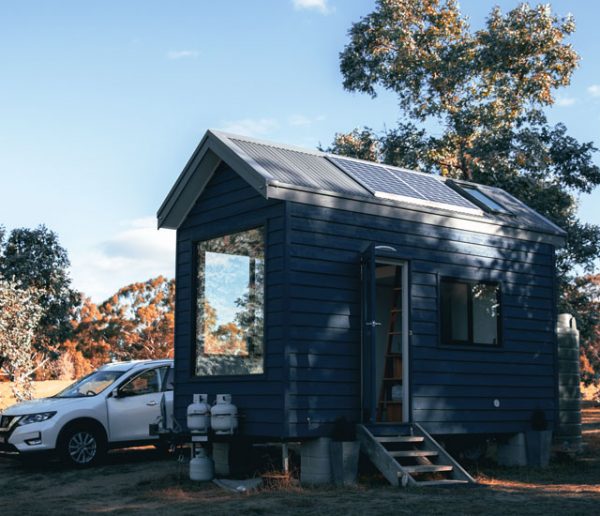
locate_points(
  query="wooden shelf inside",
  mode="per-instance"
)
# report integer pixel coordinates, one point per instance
(389, 408)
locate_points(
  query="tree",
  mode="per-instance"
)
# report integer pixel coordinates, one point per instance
(582, 297)
(88, 336)
(138, 321)
(484, 93)
(20, 313)
(33, 258)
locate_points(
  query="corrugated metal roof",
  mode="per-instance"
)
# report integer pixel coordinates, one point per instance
(268, 165)
(324, 172)
(525, 215)
(298, 168)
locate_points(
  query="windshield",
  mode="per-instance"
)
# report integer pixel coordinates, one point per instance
(90, 385)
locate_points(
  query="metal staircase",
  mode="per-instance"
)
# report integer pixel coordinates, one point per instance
(408, 456)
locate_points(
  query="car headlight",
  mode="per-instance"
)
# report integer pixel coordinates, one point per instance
(36, 418)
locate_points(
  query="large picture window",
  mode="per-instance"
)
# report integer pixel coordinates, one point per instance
(230, 304)
(470, 312)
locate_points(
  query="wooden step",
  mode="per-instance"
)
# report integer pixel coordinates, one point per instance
(401, 439)
(413, 453)
(442, 483)
(387, 458)
(428, 468)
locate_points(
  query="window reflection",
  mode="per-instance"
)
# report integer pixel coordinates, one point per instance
(230, 304)
(470, 312)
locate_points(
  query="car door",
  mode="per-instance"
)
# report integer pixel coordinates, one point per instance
(136, 407)
(167, 383)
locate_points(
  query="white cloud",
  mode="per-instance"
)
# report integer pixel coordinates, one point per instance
(302, 120)
(316, 5)
(251, 126)
(137, 253)
(565, 101)
(594, 90)
(297, 120)
(182, 54)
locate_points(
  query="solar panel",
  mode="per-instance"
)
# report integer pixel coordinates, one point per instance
(431, 188)
(375, 178)
(402, 185)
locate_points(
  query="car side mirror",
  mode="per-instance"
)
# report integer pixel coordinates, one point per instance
(116, 394)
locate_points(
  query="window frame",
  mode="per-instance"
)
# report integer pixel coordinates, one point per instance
(135, 376)
(193, 377)
(444, 339)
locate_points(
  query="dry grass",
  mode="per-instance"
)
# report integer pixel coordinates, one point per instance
(140, 481)
(589, 393)
(40, 390)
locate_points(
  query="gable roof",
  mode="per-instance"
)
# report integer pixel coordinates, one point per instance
(314, 177)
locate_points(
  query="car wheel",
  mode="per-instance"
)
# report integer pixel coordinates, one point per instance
(82, 446)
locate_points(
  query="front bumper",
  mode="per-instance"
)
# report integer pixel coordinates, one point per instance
(35, 437)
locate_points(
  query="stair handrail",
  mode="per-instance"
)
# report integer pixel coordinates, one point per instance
(458, 469)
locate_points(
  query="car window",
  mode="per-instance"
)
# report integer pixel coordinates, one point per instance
(144, 383)
(90, 385)
(167, 378)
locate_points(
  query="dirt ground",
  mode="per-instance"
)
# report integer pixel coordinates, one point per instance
(141, 481)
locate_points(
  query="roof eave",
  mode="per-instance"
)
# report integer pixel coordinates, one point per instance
(192, 181)
(427, 215)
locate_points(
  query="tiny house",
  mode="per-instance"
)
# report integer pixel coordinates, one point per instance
(315, 288)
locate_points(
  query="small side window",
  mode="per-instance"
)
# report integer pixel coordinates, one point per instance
(144, 383)
(470, 312)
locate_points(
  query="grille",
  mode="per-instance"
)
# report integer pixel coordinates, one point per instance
(5, 421)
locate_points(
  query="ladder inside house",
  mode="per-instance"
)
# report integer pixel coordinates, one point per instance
(389, 406)
(408, 456)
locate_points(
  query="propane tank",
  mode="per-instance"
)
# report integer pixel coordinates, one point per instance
(224, 415)
(202, 467)
(198, 414)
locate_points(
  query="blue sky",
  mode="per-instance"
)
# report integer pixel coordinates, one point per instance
(102, 103)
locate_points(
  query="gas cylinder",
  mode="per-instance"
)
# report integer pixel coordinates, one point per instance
(202, 467)
(198, 414)
(224, 415)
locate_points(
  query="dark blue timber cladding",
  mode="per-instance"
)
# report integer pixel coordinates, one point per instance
(453, 389)
(227, 205)
(313, 318)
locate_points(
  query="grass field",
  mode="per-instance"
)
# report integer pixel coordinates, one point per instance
(40, 390)
(141, 481)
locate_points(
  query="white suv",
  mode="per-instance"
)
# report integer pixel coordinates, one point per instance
(110, 408)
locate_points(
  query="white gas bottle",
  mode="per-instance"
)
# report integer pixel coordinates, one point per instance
(198, 414)
(224, 415)
(202, 468)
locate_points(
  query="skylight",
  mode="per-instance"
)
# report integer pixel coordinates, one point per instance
(487, 203)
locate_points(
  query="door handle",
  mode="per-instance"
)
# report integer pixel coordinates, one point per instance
(372, 324)
(152, 403)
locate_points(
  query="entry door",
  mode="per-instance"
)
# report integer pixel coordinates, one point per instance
(385, 339)
(369, 337)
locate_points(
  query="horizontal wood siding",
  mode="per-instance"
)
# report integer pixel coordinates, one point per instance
(453, 389)
(228, 205)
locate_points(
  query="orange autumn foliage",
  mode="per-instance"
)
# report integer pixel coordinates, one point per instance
(135, 323)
